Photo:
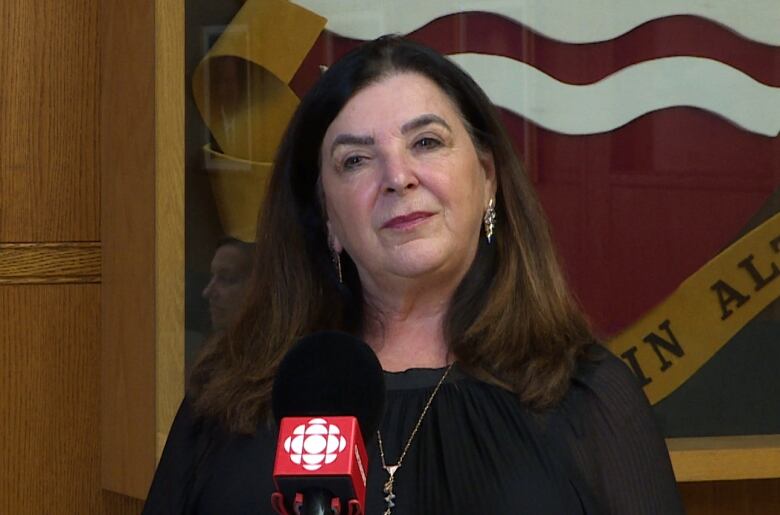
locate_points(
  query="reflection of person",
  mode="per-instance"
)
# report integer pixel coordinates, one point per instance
(231, 268)
(398, 212)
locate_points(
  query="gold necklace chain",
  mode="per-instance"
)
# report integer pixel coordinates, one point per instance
(391, 469)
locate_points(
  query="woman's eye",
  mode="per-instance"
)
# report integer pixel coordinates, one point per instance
(352, 162)
(227, 280)
(427, 143)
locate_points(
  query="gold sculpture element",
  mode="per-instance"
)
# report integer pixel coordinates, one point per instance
(241, 88)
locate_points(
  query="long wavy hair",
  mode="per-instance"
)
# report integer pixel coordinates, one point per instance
(511, 321)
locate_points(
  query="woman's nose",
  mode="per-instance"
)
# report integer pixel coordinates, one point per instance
(208, 289)
(400, 175)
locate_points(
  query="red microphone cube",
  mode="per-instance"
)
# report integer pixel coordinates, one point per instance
(323, 452)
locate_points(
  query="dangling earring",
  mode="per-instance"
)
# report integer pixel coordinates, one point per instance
(490, 219)
(335, 257)
(337, 263)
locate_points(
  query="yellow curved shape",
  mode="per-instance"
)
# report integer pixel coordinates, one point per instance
(241, 88)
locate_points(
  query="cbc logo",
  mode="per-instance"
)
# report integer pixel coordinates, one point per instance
(315, 443)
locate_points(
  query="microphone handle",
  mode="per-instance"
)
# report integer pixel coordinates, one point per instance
(316, 501)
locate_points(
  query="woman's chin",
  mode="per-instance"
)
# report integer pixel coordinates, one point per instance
(426, 266)
(428, 260)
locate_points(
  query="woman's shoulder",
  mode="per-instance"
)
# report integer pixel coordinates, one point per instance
(604, 373)
(602, 383)
(187, 433)
(614, 439)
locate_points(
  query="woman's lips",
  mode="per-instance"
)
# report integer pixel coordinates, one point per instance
(407, 221)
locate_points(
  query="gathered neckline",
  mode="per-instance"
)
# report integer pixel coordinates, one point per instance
(419, 378)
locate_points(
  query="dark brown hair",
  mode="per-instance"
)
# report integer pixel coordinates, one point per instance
(511, 321)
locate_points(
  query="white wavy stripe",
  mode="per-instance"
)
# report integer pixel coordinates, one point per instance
(627, 94)
(571, 21)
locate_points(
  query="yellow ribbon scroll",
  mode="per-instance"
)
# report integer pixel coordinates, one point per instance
(671, 342)
(241, 88)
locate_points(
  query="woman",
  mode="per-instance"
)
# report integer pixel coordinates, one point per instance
(231, 268)
(398, 212)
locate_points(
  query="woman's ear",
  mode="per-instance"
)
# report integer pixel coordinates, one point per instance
(489, 167)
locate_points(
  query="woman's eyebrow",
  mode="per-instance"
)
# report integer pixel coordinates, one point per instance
(422, 121)
(415, 123)
(350, 139)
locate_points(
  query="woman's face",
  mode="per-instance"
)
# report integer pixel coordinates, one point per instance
(405, 188)
(230, 271)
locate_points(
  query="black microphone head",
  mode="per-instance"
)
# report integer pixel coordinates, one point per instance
(330, 374)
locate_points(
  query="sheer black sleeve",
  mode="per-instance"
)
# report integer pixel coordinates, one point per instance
(615, 441)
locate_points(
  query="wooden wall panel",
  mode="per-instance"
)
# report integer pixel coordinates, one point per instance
(725, 457)
(47, 263)
(50, 261)
(142, 234)
(169, 211)
(49, 179)
(49, 402)
(127, 157)
(757, 497)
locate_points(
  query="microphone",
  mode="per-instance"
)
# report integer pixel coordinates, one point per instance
(328, 391)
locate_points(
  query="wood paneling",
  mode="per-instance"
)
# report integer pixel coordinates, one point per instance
(49, 402)
(169, 207)
(50, 385)
(758, 497)
(49, 263)
(142, 233)
(127, 157)
(50, 78)
(725, 457)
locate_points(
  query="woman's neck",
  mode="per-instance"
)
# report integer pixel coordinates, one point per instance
(407, 333)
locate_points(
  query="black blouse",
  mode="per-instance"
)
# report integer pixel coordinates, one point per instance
(478, 451)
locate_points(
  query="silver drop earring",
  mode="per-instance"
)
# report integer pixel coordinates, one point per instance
(336, 258)
(490, 219)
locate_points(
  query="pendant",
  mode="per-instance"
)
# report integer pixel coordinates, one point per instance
(388, 489)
